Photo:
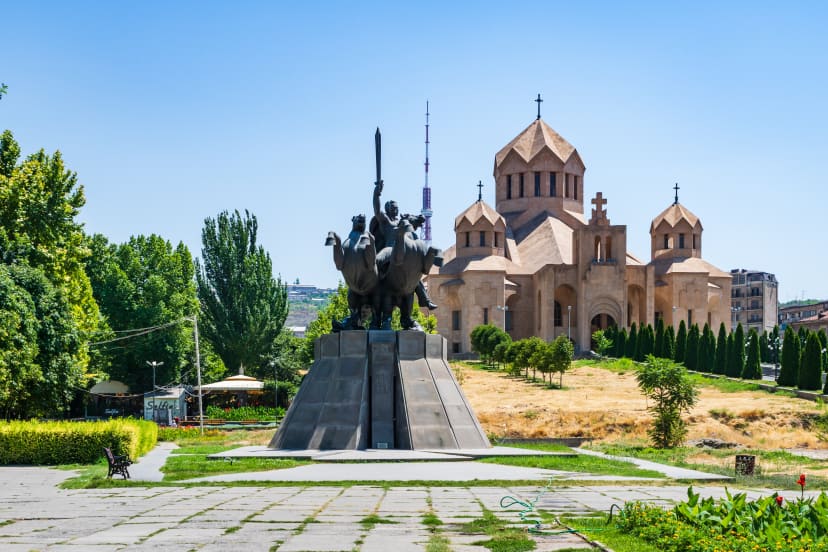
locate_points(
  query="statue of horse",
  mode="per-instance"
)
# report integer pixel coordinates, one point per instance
(356, 258)
(401, 269)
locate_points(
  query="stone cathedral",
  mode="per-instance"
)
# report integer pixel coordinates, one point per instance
(538, 264)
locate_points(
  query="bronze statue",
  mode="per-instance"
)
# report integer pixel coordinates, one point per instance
(383, 267)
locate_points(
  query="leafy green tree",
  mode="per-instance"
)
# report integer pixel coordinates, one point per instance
(789, 371)
(632, 342)
(810, 371)
(59, 346)
(753, 369)
(602, 342)
(562, 352)
(501, 350)
(672, 392)
(40, 200)
(19, 371)
(533, 346)
(477, 337)
(681, 343)
(243, 307)
(691, 357)
(146, 283)
(720, 366)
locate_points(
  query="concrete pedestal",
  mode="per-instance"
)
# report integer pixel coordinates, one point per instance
(379, 390)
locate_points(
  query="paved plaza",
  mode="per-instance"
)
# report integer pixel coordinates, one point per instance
(36, 515)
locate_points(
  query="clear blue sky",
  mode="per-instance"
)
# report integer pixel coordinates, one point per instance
(171, 112)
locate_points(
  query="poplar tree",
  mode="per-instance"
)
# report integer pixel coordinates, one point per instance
(243, 307)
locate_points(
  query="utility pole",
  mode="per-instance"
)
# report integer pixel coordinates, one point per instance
(198, 371)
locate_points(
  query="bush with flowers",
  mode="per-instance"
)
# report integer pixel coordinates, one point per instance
(770, 524)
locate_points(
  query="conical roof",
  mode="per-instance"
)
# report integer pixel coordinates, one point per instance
(533, 140)
(674, 214)
(477, 210)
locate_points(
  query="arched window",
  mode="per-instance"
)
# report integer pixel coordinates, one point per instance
(596, 251)
(558, 316)
(666, 242)
(520, 185)
(608, 247)
(508, 186)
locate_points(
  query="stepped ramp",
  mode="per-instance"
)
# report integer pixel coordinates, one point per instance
(330, 411)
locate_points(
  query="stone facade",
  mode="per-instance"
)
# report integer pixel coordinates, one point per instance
(536, 265)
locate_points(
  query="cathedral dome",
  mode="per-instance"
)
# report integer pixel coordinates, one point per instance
(477, 211)
(533, 140)
(674, 215)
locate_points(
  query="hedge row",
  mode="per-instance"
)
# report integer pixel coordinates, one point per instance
(52, 443)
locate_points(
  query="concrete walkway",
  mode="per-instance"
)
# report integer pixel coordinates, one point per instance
(36, 515)
(148, 467)
(670, 471)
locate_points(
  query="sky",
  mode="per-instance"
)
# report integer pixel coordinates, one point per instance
(172, 112)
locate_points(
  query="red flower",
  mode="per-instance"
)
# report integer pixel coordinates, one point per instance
(801, 483)
(779, 500)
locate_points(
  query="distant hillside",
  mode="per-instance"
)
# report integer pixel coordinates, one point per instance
(799, 303)
(305, 303)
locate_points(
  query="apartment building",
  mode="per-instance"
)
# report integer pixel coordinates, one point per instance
(754, 299)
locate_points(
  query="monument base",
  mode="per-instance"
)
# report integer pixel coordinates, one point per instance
(380, 390)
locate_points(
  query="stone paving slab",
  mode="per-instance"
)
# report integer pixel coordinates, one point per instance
(45, 518)
(670, 471)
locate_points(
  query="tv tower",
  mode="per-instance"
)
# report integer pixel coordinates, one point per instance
(426, 212)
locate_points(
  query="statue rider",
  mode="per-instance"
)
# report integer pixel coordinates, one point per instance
(384, 228)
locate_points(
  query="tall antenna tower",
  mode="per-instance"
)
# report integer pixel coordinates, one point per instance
(426, 212)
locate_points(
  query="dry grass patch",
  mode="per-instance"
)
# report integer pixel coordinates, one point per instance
(607, 406)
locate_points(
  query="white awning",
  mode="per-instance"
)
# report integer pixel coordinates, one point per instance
(235, 383)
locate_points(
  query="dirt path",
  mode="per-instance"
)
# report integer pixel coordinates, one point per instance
(608, 406)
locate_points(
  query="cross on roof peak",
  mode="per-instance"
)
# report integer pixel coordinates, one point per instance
(479, 190)
(538, 101)
(676, 188)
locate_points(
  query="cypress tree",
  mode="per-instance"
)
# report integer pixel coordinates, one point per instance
(691, 357)
(720, 366)
(810, 371)
(620, 342)
(647, 344)
(790, 359)
(802, 333)
(752, 369)
(732, 368)
(670, 343)
(681, 342)
(739, 354)
(711, 348)
(704, 352)
(609, 333)
(632, 342)
(764, 347)
(658, 349)
(823, 343)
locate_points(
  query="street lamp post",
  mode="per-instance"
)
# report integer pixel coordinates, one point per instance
(569, 322)
(154, 365)
(503, 308)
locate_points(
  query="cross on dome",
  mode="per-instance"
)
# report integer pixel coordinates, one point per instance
(599, 214)
(479, 190)
(538, 101)
(676, 188)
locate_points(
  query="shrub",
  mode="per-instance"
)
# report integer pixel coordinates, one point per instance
(733, 524)
(672, 391)
(52, 443)
(241, 413)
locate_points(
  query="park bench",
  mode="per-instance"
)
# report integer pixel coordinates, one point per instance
(117, 464)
